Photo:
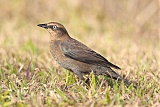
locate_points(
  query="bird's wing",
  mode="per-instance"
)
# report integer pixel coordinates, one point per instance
(78, 51)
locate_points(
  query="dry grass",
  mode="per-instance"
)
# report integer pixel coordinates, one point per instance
(126, 32)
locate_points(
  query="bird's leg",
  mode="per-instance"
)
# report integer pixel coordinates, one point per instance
(87, 81)
(81, 79)
(79, 74)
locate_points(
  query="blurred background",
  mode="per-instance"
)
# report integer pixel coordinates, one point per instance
(126, 32)
(124, 29)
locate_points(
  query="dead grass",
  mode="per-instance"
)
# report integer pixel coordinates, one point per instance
(30, 77)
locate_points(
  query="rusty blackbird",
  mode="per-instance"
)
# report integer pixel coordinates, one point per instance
(77, 57)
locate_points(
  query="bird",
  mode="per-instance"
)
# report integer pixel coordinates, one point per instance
(77, 57)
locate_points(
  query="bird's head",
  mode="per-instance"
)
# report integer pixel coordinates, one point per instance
(56, 30)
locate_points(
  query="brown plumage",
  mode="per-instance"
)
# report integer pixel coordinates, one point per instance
(77, 57)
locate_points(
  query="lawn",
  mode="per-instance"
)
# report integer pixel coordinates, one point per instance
(125, 32)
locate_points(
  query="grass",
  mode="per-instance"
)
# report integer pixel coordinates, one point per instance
(30, 77)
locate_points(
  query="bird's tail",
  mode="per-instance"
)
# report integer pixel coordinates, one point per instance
(116, 76)
(126, 82)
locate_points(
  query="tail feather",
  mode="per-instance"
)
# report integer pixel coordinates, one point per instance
(116, 76)
(114, 66)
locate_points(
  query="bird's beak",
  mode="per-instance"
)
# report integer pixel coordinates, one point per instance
(43, 25)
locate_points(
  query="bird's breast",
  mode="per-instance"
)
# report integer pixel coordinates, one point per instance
(56, 51)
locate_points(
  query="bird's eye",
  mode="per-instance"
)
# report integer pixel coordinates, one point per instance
(54, 27)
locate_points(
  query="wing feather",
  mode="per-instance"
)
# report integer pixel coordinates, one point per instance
(78, 51)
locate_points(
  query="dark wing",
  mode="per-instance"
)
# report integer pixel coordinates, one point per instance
(78, 51)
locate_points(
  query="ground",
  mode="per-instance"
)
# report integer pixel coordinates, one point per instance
(124, 32)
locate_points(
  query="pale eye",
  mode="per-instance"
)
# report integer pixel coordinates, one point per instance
(54, 27)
